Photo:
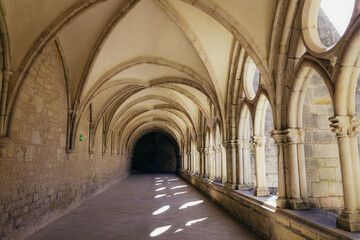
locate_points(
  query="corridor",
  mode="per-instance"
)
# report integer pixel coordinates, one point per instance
(147, 206)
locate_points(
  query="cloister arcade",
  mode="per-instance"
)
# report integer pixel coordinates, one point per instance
(260, 98)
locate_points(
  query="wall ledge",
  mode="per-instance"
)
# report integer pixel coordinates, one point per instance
(266, 220)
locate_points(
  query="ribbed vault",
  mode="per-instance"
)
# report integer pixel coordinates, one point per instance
(141, 65)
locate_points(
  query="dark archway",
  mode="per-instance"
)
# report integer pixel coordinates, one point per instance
(155, 152)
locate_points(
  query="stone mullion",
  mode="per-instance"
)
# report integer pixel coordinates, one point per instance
(217, 165)
(223, 162)
(240, 165)
(261, 188)
(343, 127)
(212, 163)
(247, 163)
(231, 164)
(280, 140)
(297, 169)
(207, 164)
(202, 162)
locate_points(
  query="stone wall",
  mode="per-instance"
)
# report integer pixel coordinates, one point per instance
(39, 181)
(267, 221)
(321, 151)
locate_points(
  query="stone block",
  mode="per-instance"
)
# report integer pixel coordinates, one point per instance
(35, 137)
(331, 202)
(307, 232)
(333, 162)
(335, 189)
(313, 202)
(8, 228)
(313, 174)
(38, 104)
(338, 174)
(3, 218)
(320, 189)
(327, 174)
(326, 150)
(279, 232)
(324, 136)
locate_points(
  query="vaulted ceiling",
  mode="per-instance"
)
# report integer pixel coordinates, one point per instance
(143, 64)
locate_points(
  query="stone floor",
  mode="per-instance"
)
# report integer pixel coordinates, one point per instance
(147, 206)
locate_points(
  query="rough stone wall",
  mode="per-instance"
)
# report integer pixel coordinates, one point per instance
(270, 154)
(321, 151)
(38, 180)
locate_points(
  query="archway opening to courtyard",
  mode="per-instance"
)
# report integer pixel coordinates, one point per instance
(323, 175)
(155, 152)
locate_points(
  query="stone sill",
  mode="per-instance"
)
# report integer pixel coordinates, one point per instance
(261, 215)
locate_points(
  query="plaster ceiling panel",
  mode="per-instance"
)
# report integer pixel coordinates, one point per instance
(191, 106)
(202, 98)
(216, 43)
(101, 99)
(256, 17)
(27, 20)
(165, 115)
(79, 37)
(146, 31)
(148, 72)
(154, 91)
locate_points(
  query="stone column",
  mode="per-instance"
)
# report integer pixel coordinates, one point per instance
(247, 163)
(185, 161)
(223, 164)
(202, 162)
(207, 163)
(298, 198)
(217, 163)
(190, 160)
(231, 157)
(240, 164)
(195, 162)
(212, 163)
(345, 129)
(259, 144)
(4, 96)
(280, 139)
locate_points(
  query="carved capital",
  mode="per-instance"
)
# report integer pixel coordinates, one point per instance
(345, 125)
(6, 75)
(231, 144)
(258, 141)
(279, 136)
(295, 135)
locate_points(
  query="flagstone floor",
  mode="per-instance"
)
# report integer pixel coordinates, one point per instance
(146, 206)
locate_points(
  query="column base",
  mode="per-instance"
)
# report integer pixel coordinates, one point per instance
(223, 180)
(261, 192)
(348, 221)
(230, 186)
(281, 202)
(298, 203)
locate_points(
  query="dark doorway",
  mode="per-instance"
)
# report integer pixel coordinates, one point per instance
(155, 152)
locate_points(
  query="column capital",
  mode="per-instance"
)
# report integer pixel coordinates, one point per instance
(258, 141)
(279, 136)
(230, 144)
(345, 125)
(7, 74)
(295, 135)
